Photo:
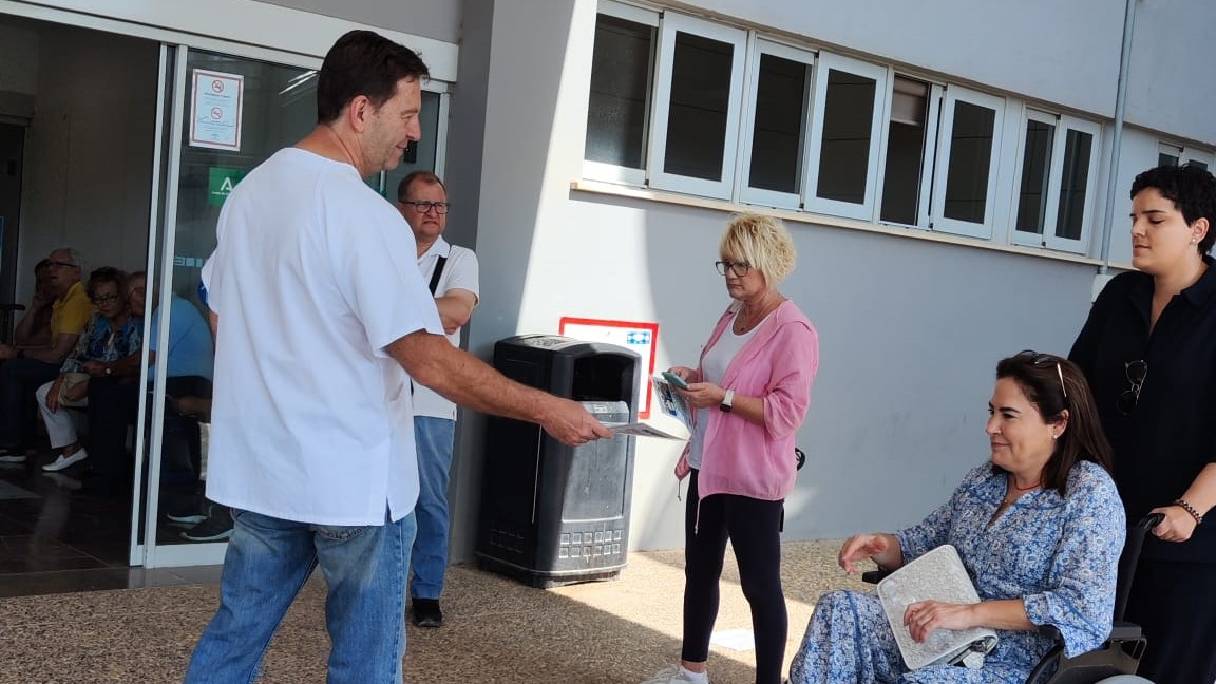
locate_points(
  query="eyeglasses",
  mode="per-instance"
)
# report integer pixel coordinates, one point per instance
(740, 268)
(1037, 359)
(424, 207)
(1135, 372)
(105, 299)
(63, 264)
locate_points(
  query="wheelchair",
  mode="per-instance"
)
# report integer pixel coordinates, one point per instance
(1116, 661)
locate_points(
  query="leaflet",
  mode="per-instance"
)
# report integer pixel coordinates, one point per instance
(638, 430)
(671, 402)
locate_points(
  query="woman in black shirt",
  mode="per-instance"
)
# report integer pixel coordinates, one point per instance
(1148, 350)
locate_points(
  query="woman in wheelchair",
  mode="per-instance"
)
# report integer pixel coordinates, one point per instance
(1039, 528)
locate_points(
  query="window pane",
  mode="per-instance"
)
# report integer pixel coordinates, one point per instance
(905, 151)
(700, 96)
(781, 96)
(1036, 163)
(1166, 159)
(621, 65)
(1073, 185)
(844, 156)
(970, 155)
(1198, 164)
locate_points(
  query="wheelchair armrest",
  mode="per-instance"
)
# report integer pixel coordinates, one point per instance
(874, 576)
(1126, 631)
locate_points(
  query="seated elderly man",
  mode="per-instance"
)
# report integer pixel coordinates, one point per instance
(27, 367)
(1040, 529)
(34, 328)
(112, 337)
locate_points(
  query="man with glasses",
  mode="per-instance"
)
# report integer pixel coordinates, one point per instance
(25, 368)
(451, 272)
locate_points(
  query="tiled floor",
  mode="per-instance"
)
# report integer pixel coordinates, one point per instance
(497, 630)
(56, 534)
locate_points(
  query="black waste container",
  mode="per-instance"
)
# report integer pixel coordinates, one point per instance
(553, 514)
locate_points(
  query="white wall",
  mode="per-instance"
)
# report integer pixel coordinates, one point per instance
(910, 330)
(88, 153)
(438, 19)
(1017, 46)
(1171, 82)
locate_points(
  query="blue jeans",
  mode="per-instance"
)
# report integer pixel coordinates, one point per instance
(268, 561)
(430, 558)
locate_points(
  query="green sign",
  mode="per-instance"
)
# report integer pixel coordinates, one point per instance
(221, 182)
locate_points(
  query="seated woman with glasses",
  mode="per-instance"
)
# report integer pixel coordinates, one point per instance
(1149, 352)
(751, 391)
(111, 336)
(1039, 528)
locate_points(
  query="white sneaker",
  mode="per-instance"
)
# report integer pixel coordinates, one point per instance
(12, 458)
(672, 674)
(62, 462)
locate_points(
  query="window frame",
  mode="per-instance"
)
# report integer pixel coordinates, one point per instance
(612, 173)
(929, 162)
(1194, 154)
(1048, 238)
(671, 24)
(938, 220)
(812, 201)
(757, 48)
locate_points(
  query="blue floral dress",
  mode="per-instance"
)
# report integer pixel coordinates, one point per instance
(1059, 554)
(101, 341)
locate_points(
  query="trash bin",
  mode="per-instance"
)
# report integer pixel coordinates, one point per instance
(553, 514)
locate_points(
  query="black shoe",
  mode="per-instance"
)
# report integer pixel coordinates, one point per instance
(427, 613)
(216, 528)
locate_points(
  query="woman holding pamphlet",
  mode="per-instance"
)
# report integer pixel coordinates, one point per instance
(749, 395)
(1039, 529)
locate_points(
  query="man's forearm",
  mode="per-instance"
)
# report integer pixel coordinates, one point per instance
(463, 378)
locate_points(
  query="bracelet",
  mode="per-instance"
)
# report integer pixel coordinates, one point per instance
(1186, 506)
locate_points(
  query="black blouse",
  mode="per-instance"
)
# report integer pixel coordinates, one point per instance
(1165, 438)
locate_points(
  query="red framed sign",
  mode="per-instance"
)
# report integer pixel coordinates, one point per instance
(641, 337)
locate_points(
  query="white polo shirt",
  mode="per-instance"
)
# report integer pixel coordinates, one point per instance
(311, 278)
(459, 273)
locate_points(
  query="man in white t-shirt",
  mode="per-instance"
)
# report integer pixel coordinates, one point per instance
(321, 321)
(451, 272)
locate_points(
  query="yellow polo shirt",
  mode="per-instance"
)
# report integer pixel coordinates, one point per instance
(71, 312)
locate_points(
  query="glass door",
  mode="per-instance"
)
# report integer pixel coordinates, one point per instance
(229, 114)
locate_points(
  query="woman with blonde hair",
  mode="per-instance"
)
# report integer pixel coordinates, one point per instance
(751, 391)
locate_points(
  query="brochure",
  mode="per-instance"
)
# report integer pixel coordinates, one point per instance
(671, 402)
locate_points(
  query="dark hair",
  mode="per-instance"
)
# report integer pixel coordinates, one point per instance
(1039, 376)
(1192, 189)
(427, 177)
(45, 263)
(363, 63)
(107, 274)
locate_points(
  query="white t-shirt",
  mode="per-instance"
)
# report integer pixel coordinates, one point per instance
(713, 367)
(312, 276)
(459, 273)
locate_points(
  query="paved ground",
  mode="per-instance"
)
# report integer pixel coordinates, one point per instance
(497, 630)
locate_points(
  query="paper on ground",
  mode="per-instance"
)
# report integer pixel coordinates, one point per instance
(734, 639)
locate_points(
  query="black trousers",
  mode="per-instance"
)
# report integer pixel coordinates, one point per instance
(114, 407)
(19, 378)
(1175, 604)
(753, 527)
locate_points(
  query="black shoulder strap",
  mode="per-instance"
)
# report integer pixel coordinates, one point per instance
(438, 273)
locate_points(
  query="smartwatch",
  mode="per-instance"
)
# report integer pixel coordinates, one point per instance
(728, 401)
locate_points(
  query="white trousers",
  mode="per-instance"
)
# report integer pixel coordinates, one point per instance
(59, 425)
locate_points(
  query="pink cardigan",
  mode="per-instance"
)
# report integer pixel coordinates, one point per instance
(778, 365)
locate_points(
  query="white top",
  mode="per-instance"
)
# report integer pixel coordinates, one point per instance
(459, 273)
(713, 368)
(312, 276)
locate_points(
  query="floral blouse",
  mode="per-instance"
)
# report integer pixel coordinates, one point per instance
(1058, 554)
(100, 341)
